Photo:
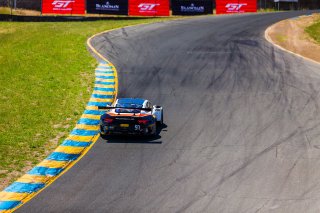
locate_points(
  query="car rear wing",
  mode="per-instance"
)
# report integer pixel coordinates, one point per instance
(132, 108)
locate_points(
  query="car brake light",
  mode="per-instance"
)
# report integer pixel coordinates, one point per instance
(108, 120)
(145, 122)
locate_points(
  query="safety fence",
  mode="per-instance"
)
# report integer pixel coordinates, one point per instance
(21, 4)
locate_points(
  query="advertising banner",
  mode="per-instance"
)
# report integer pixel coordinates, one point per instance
(296, 1)
(192, 7)
(239, 6)
(63, 6)
(113, 7)
(149, 7)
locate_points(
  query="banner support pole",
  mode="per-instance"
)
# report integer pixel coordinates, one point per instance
(11, 7)
(41, 8)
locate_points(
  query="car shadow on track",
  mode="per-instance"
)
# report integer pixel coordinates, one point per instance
(137, 139)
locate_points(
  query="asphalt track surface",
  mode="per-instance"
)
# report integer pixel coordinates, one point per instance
(242, 117)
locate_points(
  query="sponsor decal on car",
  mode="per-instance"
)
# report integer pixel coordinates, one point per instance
(125, 119)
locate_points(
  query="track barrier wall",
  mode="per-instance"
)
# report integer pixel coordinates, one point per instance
(135, 7)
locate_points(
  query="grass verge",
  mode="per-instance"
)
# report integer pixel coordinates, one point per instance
(47, 76)
(7, 10)
(314, 31)
(4, 10)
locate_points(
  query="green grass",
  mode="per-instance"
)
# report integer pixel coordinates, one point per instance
(281, 38)
(267, 10)
(314, 31)
(46, 80)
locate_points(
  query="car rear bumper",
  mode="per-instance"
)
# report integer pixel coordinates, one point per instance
(114, 130)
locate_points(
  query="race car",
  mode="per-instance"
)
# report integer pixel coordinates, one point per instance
(130, 116)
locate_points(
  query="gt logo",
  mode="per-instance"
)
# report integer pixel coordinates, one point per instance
(62, 3)
(146, 7)
(234, 7)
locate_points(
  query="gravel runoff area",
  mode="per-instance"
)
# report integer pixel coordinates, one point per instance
(291, 35)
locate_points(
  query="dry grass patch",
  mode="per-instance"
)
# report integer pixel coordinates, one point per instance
(291, 35)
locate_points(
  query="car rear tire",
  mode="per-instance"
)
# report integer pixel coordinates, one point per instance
(155, 131)
(105, 137)
(161, 118)
(160, 123)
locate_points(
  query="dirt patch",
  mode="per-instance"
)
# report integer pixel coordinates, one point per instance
(23, 12)
(9, 177)
(7, 31)
(290, 34)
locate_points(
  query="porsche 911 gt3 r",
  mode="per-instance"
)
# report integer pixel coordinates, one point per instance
(131, 116)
